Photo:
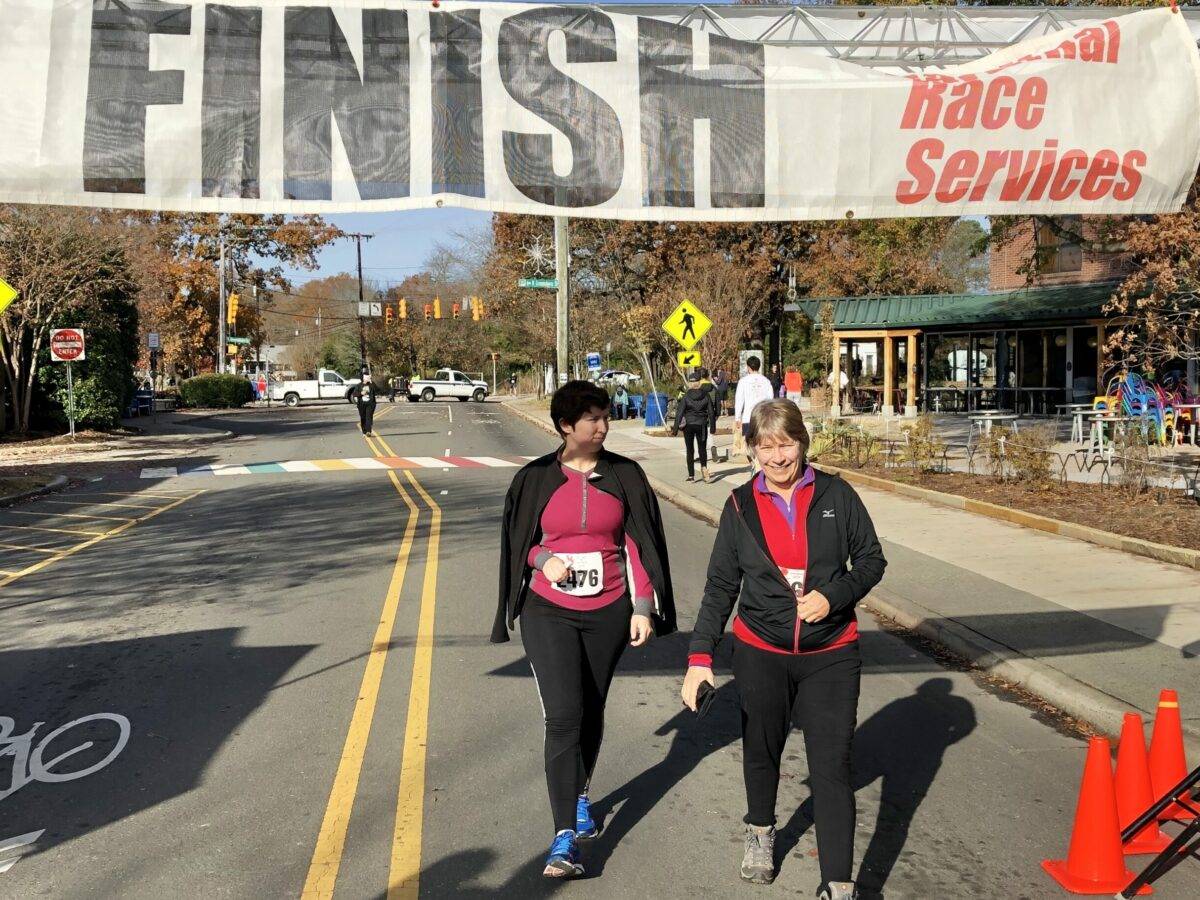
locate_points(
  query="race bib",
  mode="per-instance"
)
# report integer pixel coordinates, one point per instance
(795, 578)
(585, 574)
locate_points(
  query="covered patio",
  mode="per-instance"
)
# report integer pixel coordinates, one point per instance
(1027, 351)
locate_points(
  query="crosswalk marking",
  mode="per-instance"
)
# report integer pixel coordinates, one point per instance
(365, 463)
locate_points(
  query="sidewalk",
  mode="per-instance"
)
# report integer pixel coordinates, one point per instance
(163, 434)
(1094, 631)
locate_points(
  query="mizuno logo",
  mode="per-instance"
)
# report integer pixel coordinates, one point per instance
(827, 514)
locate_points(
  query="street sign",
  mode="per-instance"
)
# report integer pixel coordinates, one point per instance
(546, 283)
(593, 362)
(687, 325)
(370, 310)
(7, 294)
(66, 345)
(152, 340)
(238, 340)
(688, 359)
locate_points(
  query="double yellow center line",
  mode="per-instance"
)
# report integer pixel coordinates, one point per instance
(405, 866)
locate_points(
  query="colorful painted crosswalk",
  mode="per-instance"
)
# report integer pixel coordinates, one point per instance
(361, 463)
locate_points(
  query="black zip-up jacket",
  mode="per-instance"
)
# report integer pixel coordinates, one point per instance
(366, 395)
(694, 408)
(839, 530)
(530, 491)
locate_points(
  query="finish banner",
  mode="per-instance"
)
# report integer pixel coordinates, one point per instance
(364, 105)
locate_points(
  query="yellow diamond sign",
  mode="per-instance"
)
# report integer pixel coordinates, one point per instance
(7, 294)
(687, 325)
(688, 359)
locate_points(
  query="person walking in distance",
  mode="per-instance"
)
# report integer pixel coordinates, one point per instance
(583, 566)
(721, 385)
(753, 388)
(621, 402)
(776, 380)
(796, 551)
(366, 405)
(694, 413)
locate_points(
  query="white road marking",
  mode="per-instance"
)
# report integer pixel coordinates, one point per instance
(447, 451)
(426, 462)
(163, 472)
(8, 847)
(366, 462)
(300, 465)
(493, 462)
(444, 493)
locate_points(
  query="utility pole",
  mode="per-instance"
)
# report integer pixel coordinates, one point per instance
(561, 273)
(221, 312)
(362, 320)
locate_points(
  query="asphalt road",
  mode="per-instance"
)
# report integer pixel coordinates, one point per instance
(291, 692)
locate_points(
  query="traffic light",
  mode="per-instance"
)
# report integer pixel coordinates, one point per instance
(455, 310)
(404, 309)
(231, 306)
(428, 311)
(437, 307)
(387, 315)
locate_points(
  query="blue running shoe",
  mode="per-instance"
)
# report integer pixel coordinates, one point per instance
(563, 861)
(585, 825)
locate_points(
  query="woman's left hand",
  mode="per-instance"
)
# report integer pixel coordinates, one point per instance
(812, 607)
(641, 629)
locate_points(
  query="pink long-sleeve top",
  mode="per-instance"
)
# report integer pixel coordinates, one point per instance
(582, 518)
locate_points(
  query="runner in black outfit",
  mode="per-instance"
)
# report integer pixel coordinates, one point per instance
(781, 555)
(694, 412)
(574, 521)
(366, 405)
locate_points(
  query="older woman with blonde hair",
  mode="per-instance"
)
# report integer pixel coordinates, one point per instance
(796, 551)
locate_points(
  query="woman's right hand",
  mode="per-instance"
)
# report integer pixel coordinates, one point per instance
(555, 570)
(696, 675)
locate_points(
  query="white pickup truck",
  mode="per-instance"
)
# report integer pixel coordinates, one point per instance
(448, 383)
(328, 385)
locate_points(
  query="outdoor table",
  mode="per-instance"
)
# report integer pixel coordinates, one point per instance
(1195, 423)
(984, 420)
(1098, 444)
(1076, 411)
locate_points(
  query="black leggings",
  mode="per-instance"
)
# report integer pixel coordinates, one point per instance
(821, 689)
(573, 656)
(693, 436)
(366, 417)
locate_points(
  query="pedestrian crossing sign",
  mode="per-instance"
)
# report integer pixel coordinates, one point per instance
(687, 325)
(688, 359)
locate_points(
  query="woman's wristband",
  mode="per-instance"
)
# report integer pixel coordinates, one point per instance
(703, 660)
(543, 556)
(643, 606)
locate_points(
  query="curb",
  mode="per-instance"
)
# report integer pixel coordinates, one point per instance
(1065, 693)
(1070, 695)
(55, 484)
(1179, 556)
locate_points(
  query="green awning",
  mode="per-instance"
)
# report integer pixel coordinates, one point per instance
(1080, 301)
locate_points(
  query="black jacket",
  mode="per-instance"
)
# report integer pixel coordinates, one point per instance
(694, 408)
(839, 529)
(530, 491)
(366, 395)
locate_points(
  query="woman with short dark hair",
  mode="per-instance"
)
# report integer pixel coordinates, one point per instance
(781, 554)
(583, 565)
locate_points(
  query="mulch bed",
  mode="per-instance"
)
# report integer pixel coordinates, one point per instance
(1174, 521)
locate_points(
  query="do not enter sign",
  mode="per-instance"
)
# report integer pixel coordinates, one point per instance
(66, 345)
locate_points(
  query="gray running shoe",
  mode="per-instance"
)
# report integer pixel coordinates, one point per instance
(839, 890)
(758, 863)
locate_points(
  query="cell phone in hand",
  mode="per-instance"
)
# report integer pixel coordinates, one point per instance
(705, 695)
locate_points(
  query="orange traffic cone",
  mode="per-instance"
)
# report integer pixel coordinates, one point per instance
(1168, 763)
(1134, 793)
(1094, 864)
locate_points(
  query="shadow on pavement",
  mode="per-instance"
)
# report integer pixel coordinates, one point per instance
(183, 695)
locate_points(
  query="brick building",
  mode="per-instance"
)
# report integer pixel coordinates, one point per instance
(1060, 262)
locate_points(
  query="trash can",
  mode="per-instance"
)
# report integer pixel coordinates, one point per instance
(656, 410)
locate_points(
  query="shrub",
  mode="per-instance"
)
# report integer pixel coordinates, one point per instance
(216, 391)
(1029, 454)
(924, 450)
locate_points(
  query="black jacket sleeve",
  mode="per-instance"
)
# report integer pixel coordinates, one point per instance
(866, 556)
(500, 624)
(722, 586)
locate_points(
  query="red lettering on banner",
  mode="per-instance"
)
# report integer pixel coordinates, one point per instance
(923, 176)
(1100, 44)
(1063, 186)
(1130, 164)
(1099, 179)
(991, 104)
(957, 176)
(1114, 40)
(1028, 175)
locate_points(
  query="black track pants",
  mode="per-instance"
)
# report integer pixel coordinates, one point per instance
(573, 655)
(366, 417)
(695, 436)
(822, 690)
